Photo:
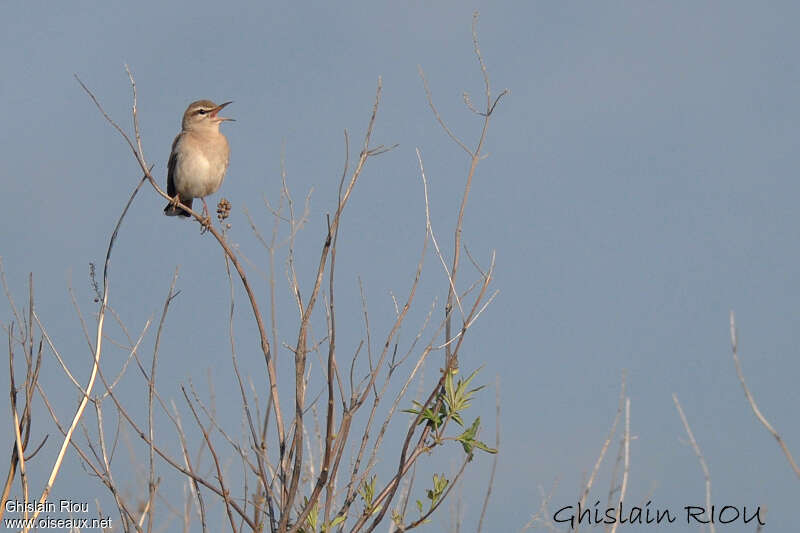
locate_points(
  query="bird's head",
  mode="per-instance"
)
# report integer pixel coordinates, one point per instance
(203, 114)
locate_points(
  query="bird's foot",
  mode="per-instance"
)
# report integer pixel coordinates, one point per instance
(206, 224)
(174, 202)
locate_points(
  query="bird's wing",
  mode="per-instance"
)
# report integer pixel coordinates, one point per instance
(171, 165)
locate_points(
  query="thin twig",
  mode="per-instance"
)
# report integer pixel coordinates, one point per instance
(151, 384)
(604, 449)
(220, 477)
(752, 402)
(699, 454)
(627, 445)
(496, 456)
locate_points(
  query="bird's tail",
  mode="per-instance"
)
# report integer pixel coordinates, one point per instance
(172, 210)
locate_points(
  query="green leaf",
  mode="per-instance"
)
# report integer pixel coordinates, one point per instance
(367, 493)
(335, 522)
(468, 440)
(456, 395)
(427, 415)
(484, 447)
(313, 516)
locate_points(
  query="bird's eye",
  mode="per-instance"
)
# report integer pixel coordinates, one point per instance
(202, 111)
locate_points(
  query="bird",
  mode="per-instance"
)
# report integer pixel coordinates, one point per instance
(199, 158)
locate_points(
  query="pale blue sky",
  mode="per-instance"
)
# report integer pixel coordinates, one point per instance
(641, 183)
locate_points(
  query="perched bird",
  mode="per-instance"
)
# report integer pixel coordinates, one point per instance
(199, 158)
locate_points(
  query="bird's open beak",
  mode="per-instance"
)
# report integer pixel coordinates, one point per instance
(218, 109)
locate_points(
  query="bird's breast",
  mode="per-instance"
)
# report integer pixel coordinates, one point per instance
(201, 165)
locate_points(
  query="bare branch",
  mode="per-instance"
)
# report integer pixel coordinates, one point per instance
(700, 457)
(627, 446)
(496, 456)
(752, 402)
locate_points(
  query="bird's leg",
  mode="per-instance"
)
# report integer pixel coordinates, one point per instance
(206, 217)
(175, 201)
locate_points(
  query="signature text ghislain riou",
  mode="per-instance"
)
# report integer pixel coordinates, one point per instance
(725, 514)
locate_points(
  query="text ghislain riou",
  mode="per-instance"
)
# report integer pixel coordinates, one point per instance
(725, 514)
